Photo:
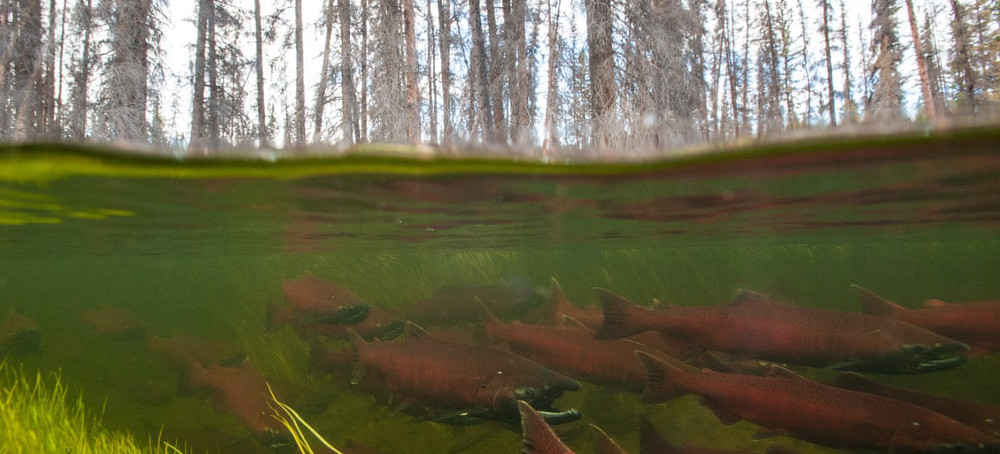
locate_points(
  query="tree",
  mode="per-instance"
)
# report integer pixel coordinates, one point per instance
(830, 93)
(300, 84)
(324, 73)
(602, 67)
(918, 49)
(886, 100)
(444, 21)
(349, 104)
(410, 74)
(134, 32)
(263, 137)
(961, 62)
(81, 72)
(27, 44)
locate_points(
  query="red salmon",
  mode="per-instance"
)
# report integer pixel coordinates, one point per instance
(766, 329)
(476, 382)
(321, 300)
(538, 437)
(574, 352)
(816, 412)
(985, 418)
(977, 324)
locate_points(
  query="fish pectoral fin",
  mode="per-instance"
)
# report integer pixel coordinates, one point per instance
(727, 417)
(402, 405)
(470, 417)
(842, 365)
(358, 373)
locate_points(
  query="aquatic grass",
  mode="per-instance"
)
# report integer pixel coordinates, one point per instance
(37, 417)
(293, 422)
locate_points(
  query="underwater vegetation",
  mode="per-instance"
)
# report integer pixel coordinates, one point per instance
(37, 417)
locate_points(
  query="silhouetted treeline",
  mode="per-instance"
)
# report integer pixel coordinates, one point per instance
(596, 74)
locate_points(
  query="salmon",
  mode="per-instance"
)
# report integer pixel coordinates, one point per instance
(243, 392)
(19, 334)
(840, 418)
(985, 418)
(975, 323)
(470, 383)
(321, 300)
(762, 328)
(538, 438)
(574, 351)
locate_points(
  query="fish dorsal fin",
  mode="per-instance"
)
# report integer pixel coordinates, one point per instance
(749, 297)
(488, 316)
(872, 303)
(536, 435)
(935, 303)
(557, 302)
(415, 331)
(605, 445)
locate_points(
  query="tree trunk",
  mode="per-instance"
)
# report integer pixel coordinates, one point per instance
(520, 114)
(364, 71)
(806, 65)
(81, 78)
(925, 84)
(602, 67)
(300, 83)
(262, 133)
(198, 100)
(323, 74)
(27, 69)
(412, 91)
(850, 107)
(349, 118)
(431, 89)
(831, 107)
(552, 93)
(214, 88)
(485, 111)
(444, 18)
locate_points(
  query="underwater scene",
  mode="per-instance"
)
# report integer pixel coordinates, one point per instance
(818, 296)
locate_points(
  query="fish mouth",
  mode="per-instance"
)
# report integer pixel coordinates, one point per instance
(386, 332)
(347, 315)
(917, 359)
(541, 399)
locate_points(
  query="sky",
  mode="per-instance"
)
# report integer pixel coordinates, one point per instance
(181, 34)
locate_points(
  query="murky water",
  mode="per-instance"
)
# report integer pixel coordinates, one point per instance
(105, 254)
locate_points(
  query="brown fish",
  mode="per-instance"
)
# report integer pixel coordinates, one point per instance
(455, 304)
(115, 322)
(976, 323)
(475, 383)
(816, 412)
(243, 392)
(180, 349)
(325, 301)
(19, 334)
(985, 418)
(538, 438)
(766, 329)
(574, 351)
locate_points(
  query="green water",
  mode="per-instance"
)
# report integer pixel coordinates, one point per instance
(202, 248)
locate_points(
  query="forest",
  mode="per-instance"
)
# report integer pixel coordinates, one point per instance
(569, 75)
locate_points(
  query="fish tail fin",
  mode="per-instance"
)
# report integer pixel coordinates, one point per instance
(872, 303)
(359, 344)
(617, 321)
(536, 435)
(660, 379)
(605, 445)
(557, 303)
